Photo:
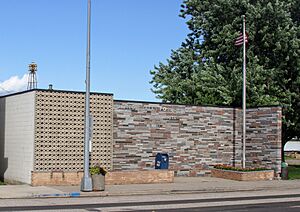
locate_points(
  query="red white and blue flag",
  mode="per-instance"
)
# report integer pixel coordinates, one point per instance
(239, 40)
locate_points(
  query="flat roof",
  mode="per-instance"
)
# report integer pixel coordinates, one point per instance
(133, 101)
(53, 90)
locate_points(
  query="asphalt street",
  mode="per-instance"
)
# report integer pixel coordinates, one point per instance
(263, 207)
(272, 203)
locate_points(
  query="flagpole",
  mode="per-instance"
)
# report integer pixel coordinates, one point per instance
(244, 91)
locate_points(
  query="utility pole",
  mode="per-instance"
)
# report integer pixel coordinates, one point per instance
(86, 182)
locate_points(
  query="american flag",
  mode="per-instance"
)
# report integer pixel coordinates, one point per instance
(239, 39)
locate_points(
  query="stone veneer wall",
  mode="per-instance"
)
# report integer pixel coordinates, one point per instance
(195, 137)
(263, 141)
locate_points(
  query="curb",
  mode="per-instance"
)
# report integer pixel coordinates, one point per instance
(72, 194)
(106, 194)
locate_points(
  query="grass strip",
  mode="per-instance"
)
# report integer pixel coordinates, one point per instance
(294, 172)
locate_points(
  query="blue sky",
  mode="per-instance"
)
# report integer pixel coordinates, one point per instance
(128, 37)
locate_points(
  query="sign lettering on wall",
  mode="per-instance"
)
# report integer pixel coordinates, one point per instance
(138, 108)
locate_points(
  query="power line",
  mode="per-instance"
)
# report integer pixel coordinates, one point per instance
(5, 89)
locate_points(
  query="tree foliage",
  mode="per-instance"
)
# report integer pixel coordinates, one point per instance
(207, 68)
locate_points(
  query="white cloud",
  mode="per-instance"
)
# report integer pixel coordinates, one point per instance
(14, 84)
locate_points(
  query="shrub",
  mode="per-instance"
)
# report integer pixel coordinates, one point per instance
(97, 169)
(228, 167)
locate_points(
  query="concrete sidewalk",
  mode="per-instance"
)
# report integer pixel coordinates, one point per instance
(181, 185)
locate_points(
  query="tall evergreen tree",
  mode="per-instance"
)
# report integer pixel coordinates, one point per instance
(207, 68)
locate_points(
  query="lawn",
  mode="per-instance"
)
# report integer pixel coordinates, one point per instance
(2, 183)
(294, 172)
(286, 157)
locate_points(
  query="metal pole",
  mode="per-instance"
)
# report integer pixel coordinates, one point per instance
(244, 92)
(86, 182)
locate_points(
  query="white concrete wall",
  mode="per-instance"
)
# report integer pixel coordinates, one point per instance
(17, 120)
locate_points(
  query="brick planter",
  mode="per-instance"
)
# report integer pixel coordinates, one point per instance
(111, 178)
(139, 177)
(243, 176)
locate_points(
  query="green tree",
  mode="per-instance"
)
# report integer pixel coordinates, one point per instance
(207, 68)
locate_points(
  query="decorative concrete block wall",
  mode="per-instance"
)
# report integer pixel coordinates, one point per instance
(195, 137)
(59, 131)
(17, 137)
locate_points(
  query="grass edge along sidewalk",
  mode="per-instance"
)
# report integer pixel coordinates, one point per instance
(293, 172)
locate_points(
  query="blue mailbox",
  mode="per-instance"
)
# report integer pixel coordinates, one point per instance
(162, 161)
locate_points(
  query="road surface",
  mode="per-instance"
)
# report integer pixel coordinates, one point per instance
(179, 202)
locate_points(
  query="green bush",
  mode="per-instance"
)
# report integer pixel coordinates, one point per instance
(227, 167)
(97, 169)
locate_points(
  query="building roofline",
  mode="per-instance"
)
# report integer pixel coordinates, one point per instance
(134, 101)
(17, 93)
(204, 105)
(169, 103)
(54, 90)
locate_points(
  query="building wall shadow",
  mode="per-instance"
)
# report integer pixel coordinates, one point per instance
(234, 138)
(3, 160)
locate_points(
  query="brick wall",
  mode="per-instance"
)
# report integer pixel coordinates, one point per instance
(195, 137)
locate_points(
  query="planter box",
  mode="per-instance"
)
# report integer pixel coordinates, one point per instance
(98, 182)
(139, 177)
(243, 176)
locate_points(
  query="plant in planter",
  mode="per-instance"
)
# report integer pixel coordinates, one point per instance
(98, 177)
(238, 173)
(232, 168)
